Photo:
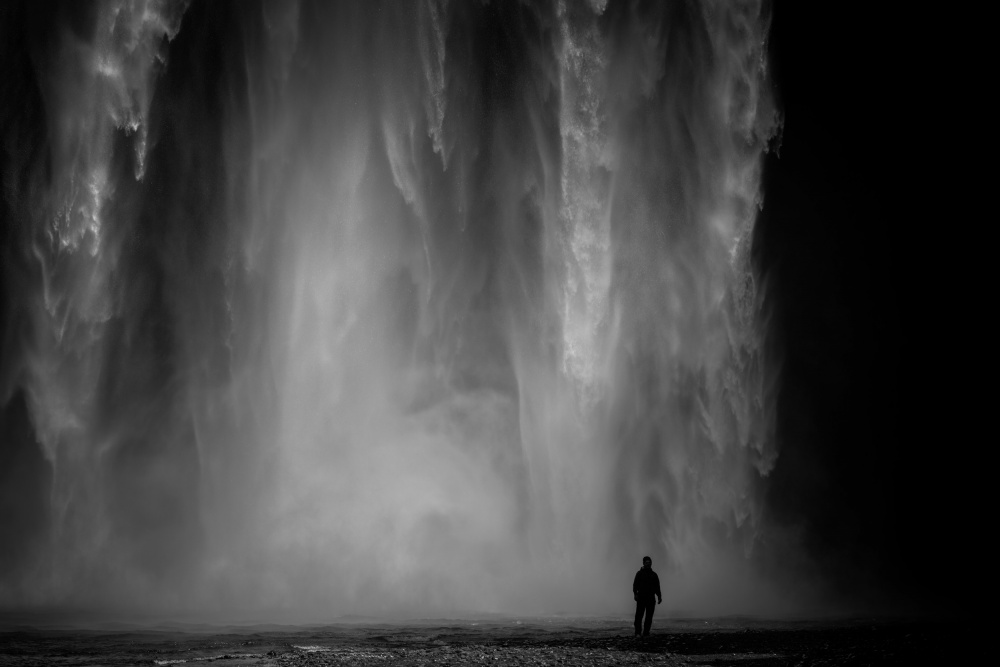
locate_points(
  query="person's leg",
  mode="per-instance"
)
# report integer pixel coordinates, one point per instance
(640, 607)
(650, 608)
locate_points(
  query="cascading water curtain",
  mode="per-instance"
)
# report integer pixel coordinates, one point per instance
(387, 307)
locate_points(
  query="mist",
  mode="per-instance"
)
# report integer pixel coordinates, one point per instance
(315, 309)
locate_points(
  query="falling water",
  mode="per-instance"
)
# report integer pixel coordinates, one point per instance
(389, 307)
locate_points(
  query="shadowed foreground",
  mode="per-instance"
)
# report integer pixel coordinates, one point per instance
(498, 642)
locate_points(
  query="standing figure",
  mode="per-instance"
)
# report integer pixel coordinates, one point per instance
(645, 587)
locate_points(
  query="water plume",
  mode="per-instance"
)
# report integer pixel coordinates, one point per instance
(433, 307)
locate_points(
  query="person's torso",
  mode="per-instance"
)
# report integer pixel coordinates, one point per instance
(647, 582)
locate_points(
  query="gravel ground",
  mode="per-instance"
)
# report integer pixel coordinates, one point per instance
(485, 654)
(534, 642)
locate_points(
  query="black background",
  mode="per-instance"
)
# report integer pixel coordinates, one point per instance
(857, 254)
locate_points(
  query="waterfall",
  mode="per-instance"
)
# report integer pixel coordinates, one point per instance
(387, 307)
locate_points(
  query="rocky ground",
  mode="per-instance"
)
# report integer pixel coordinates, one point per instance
(537, 642)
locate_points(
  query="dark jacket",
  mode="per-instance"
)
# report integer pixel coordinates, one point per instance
(646, 584)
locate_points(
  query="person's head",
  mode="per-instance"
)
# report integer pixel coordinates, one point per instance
(647, 562)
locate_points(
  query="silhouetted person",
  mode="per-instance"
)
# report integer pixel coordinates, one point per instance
(645, 587)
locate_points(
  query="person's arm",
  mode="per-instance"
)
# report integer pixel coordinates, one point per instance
(635, 586)
(659, 596)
